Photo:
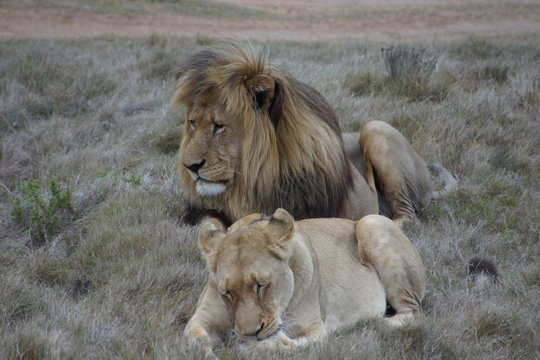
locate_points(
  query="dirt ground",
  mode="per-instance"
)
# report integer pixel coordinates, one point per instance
(380, 20)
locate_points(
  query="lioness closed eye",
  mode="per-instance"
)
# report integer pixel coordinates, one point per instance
(281, 284)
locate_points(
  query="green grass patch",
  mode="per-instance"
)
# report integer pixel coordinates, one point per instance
(18, 301)
(47, 86)
(168, 143)
(475, 48)
(365, 84)
(213, 9)
(492, 73)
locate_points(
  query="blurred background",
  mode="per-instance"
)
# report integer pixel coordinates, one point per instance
(276, 19)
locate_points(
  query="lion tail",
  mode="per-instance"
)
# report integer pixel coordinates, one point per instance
(448, 181)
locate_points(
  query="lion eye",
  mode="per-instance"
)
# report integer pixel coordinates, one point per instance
(227, 295)
(192, 125)
(218, 128)
(259, 288)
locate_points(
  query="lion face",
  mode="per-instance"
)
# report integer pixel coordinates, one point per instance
(210, 150)
(249, 267)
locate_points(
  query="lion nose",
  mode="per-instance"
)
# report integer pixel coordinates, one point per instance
(253, 333)
(195, 166)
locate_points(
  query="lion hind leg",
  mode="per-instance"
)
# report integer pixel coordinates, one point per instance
(383, 246)
(396, 170)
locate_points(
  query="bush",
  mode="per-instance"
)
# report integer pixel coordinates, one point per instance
(410, 70)
(40, 211)
(403, 62)
(409, 76)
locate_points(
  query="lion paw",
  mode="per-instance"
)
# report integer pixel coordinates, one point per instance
(279, 342)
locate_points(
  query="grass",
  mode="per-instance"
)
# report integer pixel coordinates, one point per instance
(120, 278)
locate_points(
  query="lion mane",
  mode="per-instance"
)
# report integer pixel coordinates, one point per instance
(292, 151)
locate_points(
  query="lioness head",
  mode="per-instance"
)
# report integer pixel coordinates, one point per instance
(249, 267)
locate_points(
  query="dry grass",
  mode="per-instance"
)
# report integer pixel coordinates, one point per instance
(121, 277)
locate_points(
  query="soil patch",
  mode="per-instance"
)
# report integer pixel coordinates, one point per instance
(379, 20)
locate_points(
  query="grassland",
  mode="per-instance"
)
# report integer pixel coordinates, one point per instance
(99, 267)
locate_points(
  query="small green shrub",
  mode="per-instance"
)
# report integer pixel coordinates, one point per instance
(40, 211)
(118, 177)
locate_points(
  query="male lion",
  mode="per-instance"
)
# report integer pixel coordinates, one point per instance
(280, 283)
(256, 139)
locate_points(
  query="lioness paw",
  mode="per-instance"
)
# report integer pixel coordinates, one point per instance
(278, 342)
(200, 346)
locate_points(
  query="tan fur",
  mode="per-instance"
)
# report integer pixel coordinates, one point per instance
(395, 170)
(266, 140)
(281, 284)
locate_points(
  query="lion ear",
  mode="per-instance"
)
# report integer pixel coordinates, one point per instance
(268, 95)
(210, 237)
(280, 226)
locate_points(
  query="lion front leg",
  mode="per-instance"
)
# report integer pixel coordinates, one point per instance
(198, 337)
(209, 324)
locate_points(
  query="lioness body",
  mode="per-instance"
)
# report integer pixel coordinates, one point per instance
(256, 139)
(346, 302)
(281, 284)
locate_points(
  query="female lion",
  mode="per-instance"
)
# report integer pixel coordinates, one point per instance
(281, 284)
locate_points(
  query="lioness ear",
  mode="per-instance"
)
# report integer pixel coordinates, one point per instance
(267, 94)
(280, 226)
(209, 238)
